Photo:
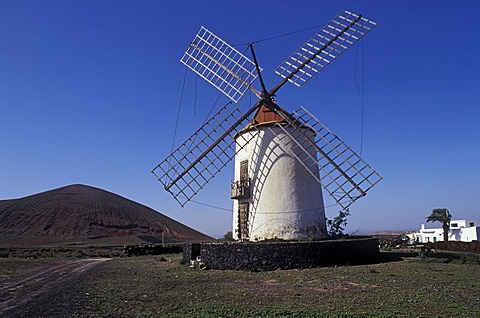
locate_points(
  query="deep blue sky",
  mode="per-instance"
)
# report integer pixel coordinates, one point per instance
(89, 92)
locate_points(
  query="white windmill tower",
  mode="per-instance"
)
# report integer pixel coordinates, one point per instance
(279, 156)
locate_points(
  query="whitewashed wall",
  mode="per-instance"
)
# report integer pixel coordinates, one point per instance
(286, 201)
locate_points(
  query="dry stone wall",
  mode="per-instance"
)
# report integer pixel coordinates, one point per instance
(264, 256)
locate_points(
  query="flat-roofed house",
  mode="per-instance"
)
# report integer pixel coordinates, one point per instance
(460, 230)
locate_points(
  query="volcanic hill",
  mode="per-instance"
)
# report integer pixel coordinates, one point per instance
(80, 211)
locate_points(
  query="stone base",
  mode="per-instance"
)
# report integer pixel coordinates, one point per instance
(265, 256)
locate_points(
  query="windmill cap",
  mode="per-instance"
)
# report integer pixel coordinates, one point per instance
(265, 116)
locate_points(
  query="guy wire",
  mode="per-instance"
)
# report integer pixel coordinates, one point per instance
(281, 35)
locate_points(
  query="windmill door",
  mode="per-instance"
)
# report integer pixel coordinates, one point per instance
(243, 221)
(243, 172)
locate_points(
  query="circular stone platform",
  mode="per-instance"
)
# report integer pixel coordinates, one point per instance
(264, 256)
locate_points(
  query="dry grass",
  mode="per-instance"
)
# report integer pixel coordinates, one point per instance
(13, 267)
(60, 252)
(445, 285)
(439, 285)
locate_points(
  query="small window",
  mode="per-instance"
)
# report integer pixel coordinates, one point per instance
(454, 225)
(472, 223)
(434, 239)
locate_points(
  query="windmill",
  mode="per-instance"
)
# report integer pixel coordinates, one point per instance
(281, 157)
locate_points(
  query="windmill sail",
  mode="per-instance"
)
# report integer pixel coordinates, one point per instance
(323, 48)
(220, 64)
(195, 162)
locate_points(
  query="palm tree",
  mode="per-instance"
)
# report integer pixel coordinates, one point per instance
(443, 216)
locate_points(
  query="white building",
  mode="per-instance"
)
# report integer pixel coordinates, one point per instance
(460, 230)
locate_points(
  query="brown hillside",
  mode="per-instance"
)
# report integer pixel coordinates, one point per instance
(85, 211)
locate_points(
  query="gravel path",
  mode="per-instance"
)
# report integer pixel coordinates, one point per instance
(52, 291)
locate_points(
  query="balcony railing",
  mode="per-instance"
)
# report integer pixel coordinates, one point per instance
(240, 189)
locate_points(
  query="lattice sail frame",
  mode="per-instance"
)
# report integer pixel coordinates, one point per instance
(220, 64)
(344, 175)
(324, 47)
(194, 163)
(185, 171)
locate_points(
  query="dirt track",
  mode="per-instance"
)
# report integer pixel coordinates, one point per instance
(45, 293)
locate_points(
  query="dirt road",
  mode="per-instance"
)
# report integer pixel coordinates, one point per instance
(41, 293)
